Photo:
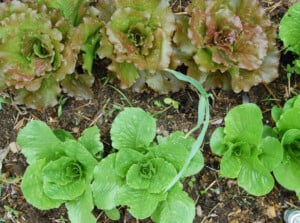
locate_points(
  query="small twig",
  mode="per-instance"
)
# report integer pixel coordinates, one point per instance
(272, 94)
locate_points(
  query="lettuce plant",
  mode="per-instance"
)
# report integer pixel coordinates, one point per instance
(36, 52)
(60, 169)
(86, 18)
(248, 152)
(137, 39)
(228, 44)
(288, 130)
(289, 33)
(140, 172)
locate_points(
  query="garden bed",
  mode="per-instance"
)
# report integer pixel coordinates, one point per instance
(216, 199)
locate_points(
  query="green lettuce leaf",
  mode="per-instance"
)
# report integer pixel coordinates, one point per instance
(230, 165)
(178, 138)
(133, 128)
(217, 143)
(39, 142)
(244, 123)
(175, 149)
(79, 210)
(90, 139)
(287, 173)
(106, 186)
(63, 135)
(32, 183)
(76, 151)
(141, 203)
(272, 153)
(289, 30)
(125, 158)
(72, 10)
(288, 120)
(63, 179)
(254, 177)
(177, 208)
(153, 175)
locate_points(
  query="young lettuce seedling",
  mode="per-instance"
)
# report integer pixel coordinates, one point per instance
(248, 152)
(60, 169)
(140, 172)
(288, 130)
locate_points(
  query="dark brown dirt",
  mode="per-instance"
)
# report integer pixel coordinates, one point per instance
(216, 199)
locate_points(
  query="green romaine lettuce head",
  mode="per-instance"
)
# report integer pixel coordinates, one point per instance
(288, 129)
(60, 169)
(247, 153)
(228, 44)
(138, 174)
(137, 39)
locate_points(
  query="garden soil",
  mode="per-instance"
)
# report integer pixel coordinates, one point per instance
(217, 200)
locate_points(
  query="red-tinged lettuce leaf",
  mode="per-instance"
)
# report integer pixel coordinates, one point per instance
(78, 85)
(45, 96)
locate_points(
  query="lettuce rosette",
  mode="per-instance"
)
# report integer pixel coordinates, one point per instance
(80, 14)
(137, 39)
(138, 175)
(288, 130)
(60, 169)
(249, 150)
(228, 44)
(38, 49)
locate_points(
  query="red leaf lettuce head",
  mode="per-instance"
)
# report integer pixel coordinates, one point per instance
(137, 39)
(227, 43)
(37, 50)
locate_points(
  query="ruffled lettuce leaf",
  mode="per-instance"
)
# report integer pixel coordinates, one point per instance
(125, 158)
(63, 179)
